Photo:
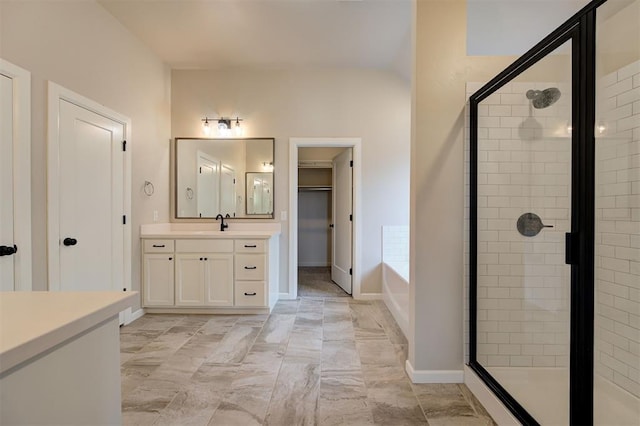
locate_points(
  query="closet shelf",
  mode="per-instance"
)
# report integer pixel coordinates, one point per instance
(304, 188)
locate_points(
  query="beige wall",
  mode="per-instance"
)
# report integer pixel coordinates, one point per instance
(372, 105)
(80, 46)
(442, 69)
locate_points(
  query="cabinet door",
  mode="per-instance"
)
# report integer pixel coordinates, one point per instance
(218, 281)
(158, 279)
(190, 279)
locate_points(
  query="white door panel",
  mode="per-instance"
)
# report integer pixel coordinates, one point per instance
(91, 200)
(208, 186)
(342, 205)
(228, 191)
(6, 182)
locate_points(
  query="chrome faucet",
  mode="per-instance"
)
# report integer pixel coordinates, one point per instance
(222, 224)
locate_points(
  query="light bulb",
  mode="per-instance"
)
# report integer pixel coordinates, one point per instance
(206, 129)
(238, 128)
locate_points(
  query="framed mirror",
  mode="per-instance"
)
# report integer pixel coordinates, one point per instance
(232, 177)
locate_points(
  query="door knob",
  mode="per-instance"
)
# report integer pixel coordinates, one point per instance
(70, 241)
(8, 250)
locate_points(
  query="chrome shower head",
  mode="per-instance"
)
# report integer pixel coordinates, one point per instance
(543, 98)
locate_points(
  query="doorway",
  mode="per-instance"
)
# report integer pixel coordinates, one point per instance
(324, 225)
(88, 218)
(15, 178)
(325, 200)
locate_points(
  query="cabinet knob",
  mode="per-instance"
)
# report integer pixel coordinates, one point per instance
(250, 294)
(171, 258)
(250, 267)
(250, 246)
(158, 245)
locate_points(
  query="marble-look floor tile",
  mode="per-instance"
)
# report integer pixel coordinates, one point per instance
(343, 399)
(380, 361)
(243, 407)
(305, 342)
(139, 418)
(462, 421)
(365, 325)
(340, 355)
(320, 361)
(385, 318)
(394, 403)
(276, 329)
(234, 345)
(193, 406)
(147, 399)
(295, 395)
(442, 400)
(217, 377)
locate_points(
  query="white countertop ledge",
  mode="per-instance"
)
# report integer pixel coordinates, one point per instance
(34, 322)
(209, 230)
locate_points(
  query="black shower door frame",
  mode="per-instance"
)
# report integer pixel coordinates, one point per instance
(581, 31)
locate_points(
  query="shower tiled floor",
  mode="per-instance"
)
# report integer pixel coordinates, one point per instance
(313, 361)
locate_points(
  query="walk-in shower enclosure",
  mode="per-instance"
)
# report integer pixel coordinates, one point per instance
(554, 224)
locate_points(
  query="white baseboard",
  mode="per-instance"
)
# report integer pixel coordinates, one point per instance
(434, 376)
(489, 401)
(135, 315)
(369, 296)
(285, 296)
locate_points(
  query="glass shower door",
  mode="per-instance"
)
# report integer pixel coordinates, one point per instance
(524, 162)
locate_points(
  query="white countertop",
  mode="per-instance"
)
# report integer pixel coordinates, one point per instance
(209, 230)
(33, 322)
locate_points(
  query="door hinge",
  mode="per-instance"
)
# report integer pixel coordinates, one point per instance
(351, 163)
(124, 145)
(200, 170)
(350, 271)
(124, 219)
(351, 218)
(234, 181)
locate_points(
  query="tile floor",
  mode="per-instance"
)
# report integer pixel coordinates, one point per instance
(313, 361)
(316, 282)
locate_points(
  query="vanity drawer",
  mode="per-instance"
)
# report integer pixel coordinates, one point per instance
(158, 246)
(250, 246)
(250, 293)
(204, 246)
(251, 267)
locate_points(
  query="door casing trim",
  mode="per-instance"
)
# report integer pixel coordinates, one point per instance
(56, 93)
(22, 170)
(356, 145)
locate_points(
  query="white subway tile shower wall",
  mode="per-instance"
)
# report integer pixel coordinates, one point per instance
(395, 244)
(523, 283)
(617, 354)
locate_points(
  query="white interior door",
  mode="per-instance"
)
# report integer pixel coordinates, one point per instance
(91, 200)
(208, 186)
(342, 205)
(228, 191)
(6, 184)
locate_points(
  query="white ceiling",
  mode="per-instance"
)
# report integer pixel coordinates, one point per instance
(271, 34)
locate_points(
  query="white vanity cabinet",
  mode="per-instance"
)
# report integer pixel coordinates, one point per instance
(158, 273)
(204, 273)
(229, 273)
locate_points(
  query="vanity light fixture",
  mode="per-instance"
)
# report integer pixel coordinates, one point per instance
(223, 126)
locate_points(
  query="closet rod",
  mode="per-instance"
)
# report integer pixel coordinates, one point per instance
(314, 188)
